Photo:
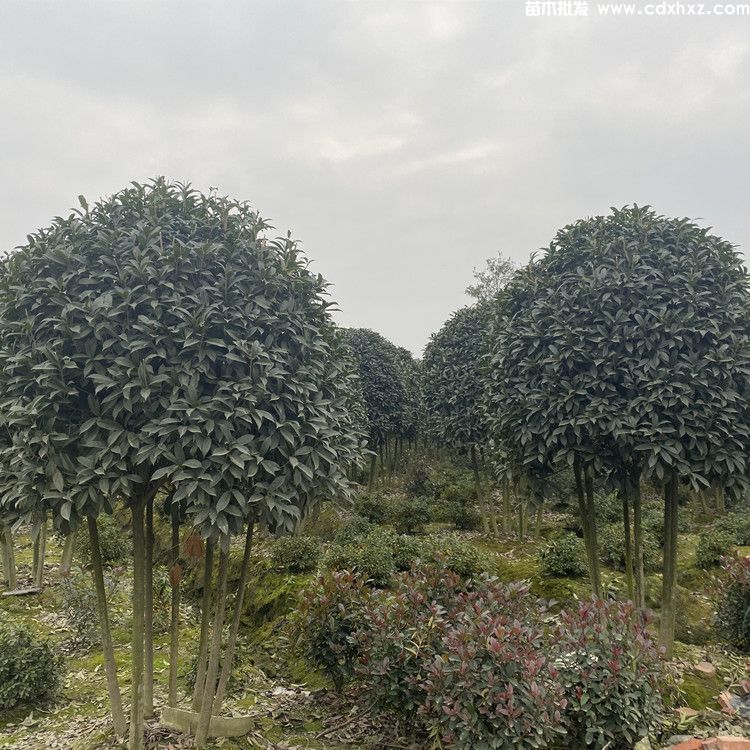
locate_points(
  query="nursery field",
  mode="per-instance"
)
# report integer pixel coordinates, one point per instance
(426, 515)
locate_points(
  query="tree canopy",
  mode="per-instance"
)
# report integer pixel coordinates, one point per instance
(157, 338)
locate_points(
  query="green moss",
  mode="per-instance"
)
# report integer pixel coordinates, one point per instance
(699, 692)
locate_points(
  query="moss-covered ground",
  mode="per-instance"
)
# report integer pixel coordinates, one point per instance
(293, 704)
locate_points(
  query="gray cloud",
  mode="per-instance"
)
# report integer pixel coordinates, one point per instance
(402, 142)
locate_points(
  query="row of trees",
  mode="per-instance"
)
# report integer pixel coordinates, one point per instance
(621, 354)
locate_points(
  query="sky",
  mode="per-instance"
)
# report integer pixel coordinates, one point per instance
(402, 142)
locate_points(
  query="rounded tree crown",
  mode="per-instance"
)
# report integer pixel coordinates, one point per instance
(157, 339)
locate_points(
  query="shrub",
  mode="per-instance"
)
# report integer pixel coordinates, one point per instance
(732, 594)
(713, 545)
(297, 554)
(491, 685)
(465, 517)
(79, 606)
(375, 508)
(329, 619)
(417, 483)
(370, 556)
(113, 542)
(409, 515)
(455, 554)
(353, 529)
(612, 548)
(736, 526)
(30, 670)
(406, 550)
(565, 557)
(459, 493)
(610, 670)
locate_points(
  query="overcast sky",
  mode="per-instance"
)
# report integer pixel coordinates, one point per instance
(403, 142)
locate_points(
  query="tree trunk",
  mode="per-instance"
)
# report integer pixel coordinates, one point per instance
(9, 558)
(148, 604)
(136, 691)
(640, 579)
(66, 558)
(373, 471)
(669, 574)
(200, 676)
(226, 667)
(40, 552)
(628, 546)
(110, 667)
(591, 551)
(490, 499)
(174, 621)
(480, 493)
(212, 669)
(539, 518)
(591, 514)
(507, 520)
(720, 505)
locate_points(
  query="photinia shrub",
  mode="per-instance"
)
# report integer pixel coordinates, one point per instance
(329, 619)
(609, 668)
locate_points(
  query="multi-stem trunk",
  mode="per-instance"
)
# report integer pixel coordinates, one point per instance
(488, 495)
(9, 558)
(634, 485)
(591, 550)
(148, 682)
(212, 670)
(66, 558)
(200, 674)
(174, 622)
(669, 573)
(480, 492)
(136, 691)
(110, 667)
(40, 552)
(628, 546)
(226, 667)
(591, 515)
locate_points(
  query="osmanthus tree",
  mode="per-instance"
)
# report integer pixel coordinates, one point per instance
(384, 387)
(625, 351)
(157, 341)
(454, 363)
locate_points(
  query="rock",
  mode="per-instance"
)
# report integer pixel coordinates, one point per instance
(643, 744)
(745, 686)
(705, 668)
(728, 742)
(690, 744)
(726, 701)
(685, 712)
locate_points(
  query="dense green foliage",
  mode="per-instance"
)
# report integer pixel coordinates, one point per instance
(454, 380)
(733, 602)
(713, 545)
(158, 338)
(564, 557)
(30, 670)
(297, 554)
(628, 343)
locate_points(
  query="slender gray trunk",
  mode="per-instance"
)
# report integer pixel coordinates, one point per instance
(212, 669)
(669, 573)
(148, 604)
(66, 558)
(226, 667)
(174, 623)
(200, 678)
(136, 691)
(640, 578)
(108, 652)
